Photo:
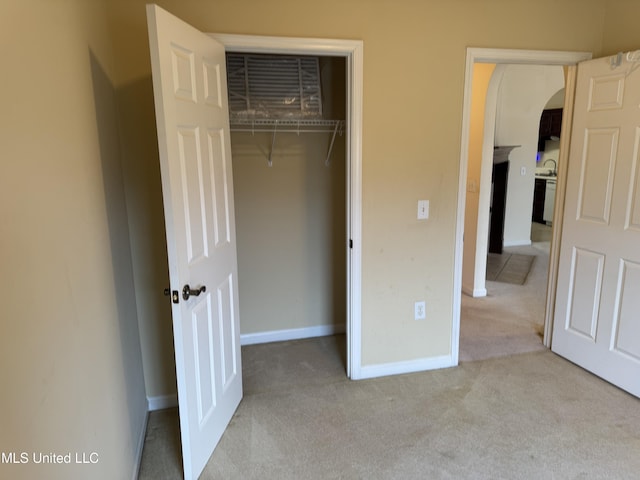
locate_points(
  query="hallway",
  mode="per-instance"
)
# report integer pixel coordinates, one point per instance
(510, 319)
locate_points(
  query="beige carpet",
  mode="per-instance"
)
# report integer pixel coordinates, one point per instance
(511, 410)
(527, 416)
(510, 319)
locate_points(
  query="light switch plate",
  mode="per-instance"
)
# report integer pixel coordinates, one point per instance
(423, 209)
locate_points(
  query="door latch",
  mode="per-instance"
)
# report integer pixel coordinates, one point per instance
(175, 296)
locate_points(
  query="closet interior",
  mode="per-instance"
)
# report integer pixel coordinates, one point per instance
(287, 117)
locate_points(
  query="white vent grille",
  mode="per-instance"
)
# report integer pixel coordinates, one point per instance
(273, 86)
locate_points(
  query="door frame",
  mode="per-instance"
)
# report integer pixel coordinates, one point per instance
(522, 57)
(352, 51)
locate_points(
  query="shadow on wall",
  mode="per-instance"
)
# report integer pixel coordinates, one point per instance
(143, 186)
(106, 118)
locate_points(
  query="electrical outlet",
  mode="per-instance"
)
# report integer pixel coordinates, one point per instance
(420, 311)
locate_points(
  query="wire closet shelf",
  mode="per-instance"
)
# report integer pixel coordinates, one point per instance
(298, 126)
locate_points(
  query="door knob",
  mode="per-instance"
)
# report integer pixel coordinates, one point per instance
(187, 291)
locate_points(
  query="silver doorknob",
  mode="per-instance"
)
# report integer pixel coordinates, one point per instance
(187, 291)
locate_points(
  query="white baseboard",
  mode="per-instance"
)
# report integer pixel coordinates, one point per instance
(412, 366)
(162, 401)
(138, 457)
(516, 243)
(474, 292)
(291, 334)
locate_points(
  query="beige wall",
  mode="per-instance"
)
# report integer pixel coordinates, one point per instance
(620, 33)
(413, 82)
(290, 221)
(70, 363)
(141, 170)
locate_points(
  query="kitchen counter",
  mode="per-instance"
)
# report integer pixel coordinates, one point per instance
(546, 176)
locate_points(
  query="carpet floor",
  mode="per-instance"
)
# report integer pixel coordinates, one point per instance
(526, 416)
(511, 410)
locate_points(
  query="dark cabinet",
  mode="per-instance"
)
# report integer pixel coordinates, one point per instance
(498, 206)
(539, 191)
(551, 123)
(550, 126)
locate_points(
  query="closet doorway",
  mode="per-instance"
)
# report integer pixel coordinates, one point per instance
(297, 206)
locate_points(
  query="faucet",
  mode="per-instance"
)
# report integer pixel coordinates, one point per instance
(555, 166)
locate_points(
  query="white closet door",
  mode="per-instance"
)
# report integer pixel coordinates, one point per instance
(189, 81)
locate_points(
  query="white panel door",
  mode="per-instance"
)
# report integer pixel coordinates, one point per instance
(189, 82)
(597, 316)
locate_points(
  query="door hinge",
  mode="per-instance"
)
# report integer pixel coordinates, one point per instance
(350, 243)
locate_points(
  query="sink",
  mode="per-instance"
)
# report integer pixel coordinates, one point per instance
(546, 173)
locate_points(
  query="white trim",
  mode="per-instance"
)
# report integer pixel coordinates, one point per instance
(355, 82)
(558, 215)
(352, 50)
(411, 366)
(290, 334)
(474, 292)
(516, 243)
(488, 55)
(137, 459)
(162, 402)
(525, 57)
